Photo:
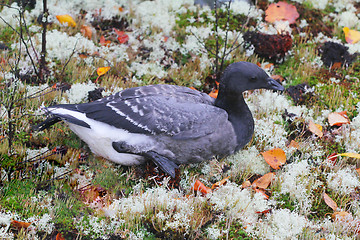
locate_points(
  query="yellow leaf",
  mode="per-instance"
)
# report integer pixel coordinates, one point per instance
(275, 157)
(351, 36)
(102, 70)
(315, 128)
(352, 155)
(66, 19)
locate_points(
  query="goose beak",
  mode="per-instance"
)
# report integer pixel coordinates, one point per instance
(274, 85)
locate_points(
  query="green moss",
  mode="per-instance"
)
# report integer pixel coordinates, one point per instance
(285, 201)
(16, 196)
(235, 231)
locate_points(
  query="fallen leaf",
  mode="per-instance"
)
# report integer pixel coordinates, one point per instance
(104, 42)
(281, 11)
(352, 155)
(338, 118)
(336, 65)
(275, 157)
(293, 144)
(315, 128)
(199, 186)
(331, 203)
(214, 93)
(262, 192)
(220, 183)
(102, 70)
(121, 9)
(122, 36)
(264, 181)
(19, 225)
(86, 31)
(66, 19)
(246, 184)
(351, 36)
(193, 88)
(358, 170)
(341, 216)
(59, 237)
(332, 158)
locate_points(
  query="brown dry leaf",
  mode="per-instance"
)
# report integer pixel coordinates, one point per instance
(281, 11)
(275, 157)
(246, 184)
(199, 186)
(86, 31)
(59, 237)
(315, 128)
(104, 42)
(358, 170)
(19, 225)
(262, 192)
(331, 203)
(264, 181)
(220, 183)
(338, 118)
(293, 144)
(336, 65)
(341, 216)
(351, 36)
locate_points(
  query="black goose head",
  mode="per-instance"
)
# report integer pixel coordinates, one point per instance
(241, 76)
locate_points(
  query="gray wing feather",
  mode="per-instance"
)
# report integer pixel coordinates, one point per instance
(170, 110)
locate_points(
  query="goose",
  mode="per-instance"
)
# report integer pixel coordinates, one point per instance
(167, 124)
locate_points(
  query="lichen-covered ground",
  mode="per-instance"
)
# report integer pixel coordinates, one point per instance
(53, 187)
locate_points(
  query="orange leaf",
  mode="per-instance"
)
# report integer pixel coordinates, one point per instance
(199, 186)
(102, 70)
(264, 181)
(315, 128)
(86, 31)
(59, 237)
(246, 184)
(358, 170)
(19, 225)
(262, 192)
(122, 36)
(104, 42)
(193, 88)
(220, 183)
(121, 9)
(342, 216)
(336, 65)
(293, 144)
(214, 93)
(66, 19)
(281, 11)
(338, 118)
(351, 36)
(275, 157)
(331, 203)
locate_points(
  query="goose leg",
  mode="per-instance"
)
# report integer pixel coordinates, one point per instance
(164, 163)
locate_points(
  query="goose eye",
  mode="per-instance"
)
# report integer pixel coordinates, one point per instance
(253, 79)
